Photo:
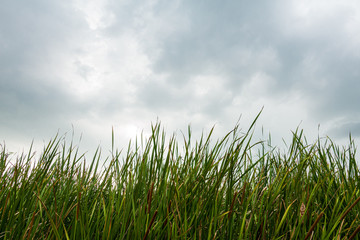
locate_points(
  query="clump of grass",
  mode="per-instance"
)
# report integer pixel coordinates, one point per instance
(230, 189)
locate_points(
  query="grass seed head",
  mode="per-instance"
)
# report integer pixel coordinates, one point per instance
(302, 209)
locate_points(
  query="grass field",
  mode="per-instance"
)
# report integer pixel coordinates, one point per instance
(229, 188)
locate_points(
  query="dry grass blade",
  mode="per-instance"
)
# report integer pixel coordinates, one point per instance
(357, 230)
(232, 204)
(149, 227)
(314, 225)
(339, 232)
(352, 205)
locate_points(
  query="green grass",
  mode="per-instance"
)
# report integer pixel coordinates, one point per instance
(232, 188)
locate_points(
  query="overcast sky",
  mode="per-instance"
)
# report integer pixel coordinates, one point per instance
(98, 64)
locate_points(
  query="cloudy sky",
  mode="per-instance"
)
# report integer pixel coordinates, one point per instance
(90, 65)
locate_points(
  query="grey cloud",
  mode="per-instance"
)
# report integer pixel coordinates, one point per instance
(158, 96)
(33, 107)
(217, 33)
(37, 26)
(332, 86)
(201, 38)
(343, 130)
(32, 102)
(237, 39)
(83, 70)
(229, 41)
(162, 96)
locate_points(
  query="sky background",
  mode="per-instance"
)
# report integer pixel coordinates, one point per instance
(94, 65)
